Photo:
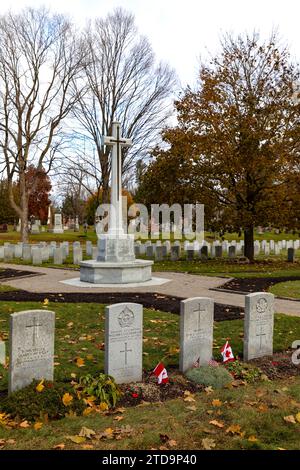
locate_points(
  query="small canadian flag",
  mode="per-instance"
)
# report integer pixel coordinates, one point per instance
(161, 373)
(227, 353)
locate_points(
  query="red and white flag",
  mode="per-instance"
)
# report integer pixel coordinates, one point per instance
(227, 353)
(161, 373)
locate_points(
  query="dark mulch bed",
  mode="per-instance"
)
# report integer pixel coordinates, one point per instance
(166, 303)
(6, 274)
(150, 391)
(278, 366)
(254, 284)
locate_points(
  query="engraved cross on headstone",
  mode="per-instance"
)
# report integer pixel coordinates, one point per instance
(35, 331)
(116, 142)
(126, 351)
(260, 335)
(199, 310)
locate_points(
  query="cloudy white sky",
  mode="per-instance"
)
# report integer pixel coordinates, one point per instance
(182, 31)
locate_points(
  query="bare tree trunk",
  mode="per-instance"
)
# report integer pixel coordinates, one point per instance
(249, 243)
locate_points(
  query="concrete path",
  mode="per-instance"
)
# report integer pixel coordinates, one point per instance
(180, 285)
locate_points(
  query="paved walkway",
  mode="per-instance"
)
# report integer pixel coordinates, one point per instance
(181, 285)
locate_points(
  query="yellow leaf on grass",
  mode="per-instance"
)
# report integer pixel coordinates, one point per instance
(216, 423)
(24, 424)
(172, 443)
(67, 399)
(216, 402)
(118, 418)
(59, 446)
(208, 443)
(40, 387)
(76, 439)
(208, 390)
(289, 419)
(191, 408)
(86, 432)
(252, 439)
(79, 362)
(109, 433)
(103, 406)
(87, 446)
(37, 426)
(234, 429)
(87, 411)
(298, 417)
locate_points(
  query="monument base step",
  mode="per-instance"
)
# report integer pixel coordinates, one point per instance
(101, 272)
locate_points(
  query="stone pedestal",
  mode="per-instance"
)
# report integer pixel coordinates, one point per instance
(116, 249)
(104, 272)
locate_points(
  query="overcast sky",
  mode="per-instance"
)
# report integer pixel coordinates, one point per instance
(182, 31)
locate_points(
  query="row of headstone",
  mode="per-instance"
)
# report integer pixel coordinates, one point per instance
(42, 252)
(32, 338)
(160, 251)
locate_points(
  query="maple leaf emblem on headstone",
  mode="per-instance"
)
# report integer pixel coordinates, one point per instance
(126, 317)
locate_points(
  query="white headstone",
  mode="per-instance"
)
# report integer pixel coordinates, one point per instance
(124, 342)
(31, 347)
(258, 325)
(2, 353)
(196, 331)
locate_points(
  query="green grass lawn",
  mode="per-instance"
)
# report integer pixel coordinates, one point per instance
(248, 417)
(287, 289)
(80, 333)
(272, 267)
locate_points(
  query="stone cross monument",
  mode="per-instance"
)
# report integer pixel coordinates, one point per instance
(116, 142)
(116, 263)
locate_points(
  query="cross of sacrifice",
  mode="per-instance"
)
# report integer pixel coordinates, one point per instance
(126, 351)
(199, 310)
(116, 142)
(260, 335)
(35, 331)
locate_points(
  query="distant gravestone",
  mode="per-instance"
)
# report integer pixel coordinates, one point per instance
(89, 248)
(291, 255)
(164, 251)
(45, 253)
(2, 353)
(1, 252)
(190, 254)
(150, 251)
(19, 250)
(258, 325)
(36, 256)
(231, 251)
(35, 228)
(26, 252)
(31, 347)
(8, 253)
(196, 332)
(158, 253)
(204, 252)
(218, 251)
(124, 342)
(58, 226)
(58, 256)
(175, 253)
(77, 255)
